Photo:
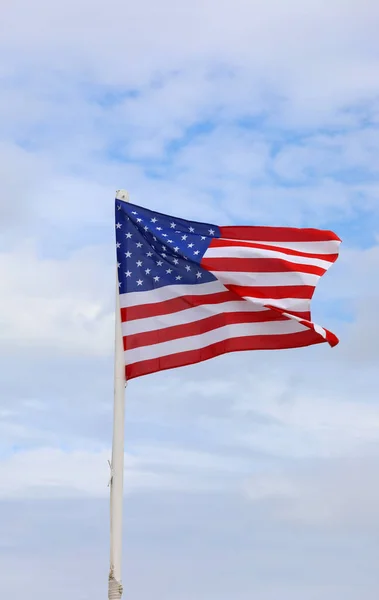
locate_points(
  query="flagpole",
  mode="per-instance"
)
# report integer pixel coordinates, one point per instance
(117, 464)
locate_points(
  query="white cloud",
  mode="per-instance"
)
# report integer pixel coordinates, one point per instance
(63, 304)
(283, 414)
(48, 472)
(334, 493)
(322, 56)
(258, 61)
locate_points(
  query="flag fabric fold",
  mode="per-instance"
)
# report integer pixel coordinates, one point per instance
(191, 291)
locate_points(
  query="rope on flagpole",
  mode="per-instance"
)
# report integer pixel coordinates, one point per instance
(114, 587)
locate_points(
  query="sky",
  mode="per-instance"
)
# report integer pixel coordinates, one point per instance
(251, 475)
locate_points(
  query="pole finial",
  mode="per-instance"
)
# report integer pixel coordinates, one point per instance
(122, 195)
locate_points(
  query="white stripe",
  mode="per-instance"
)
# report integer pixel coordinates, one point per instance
(320, 330)
(292, 304)
(330, 247)
(206, 339)
(191, 315)
(250, 252)
(169, 292)
(266, 279)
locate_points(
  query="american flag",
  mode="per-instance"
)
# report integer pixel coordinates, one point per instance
(191, 291)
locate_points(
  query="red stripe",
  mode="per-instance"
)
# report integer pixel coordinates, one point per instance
(258, 265)
(263, 342)
(199, 327)
(224, 243)
(304, 292)
(331, 338)
(277, 234)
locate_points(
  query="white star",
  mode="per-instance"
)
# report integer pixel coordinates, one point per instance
(128, 235)
(211, 232)
(173, 225)
(190, 245)
(159, 228)
(139, 282)
(175, 261)
(134, 212)
(147, 271)
(197, 252)
(164, 234)
(118, 245)
(198, 275)
(164, 248)
(176, 249)
(159, 263)
(154, 238)
(119, 284)
(156, 278)
(118, 206)
(128, 273)
(188, 268)
(139, 245)
(154, 220)
(139, 263)
(164, 255)
(178, 277)
(191, 229)
(169, 271)
(118, 265)
(149, 254)
(118, 225)
(170, 241)
(146, 228)
(128, 254)
(203, 237)
(139, 220)
(184, 237)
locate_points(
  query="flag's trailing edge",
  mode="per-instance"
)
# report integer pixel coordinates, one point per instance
(191, 291)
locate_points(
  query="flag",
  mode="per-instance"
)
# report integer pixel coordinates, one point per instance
(191, 291)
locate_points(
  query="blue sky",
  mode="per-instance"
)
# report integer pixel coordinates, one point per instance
(253, 474)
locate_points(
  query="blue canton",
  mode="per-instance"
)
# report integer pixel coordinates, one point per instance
(155, 250)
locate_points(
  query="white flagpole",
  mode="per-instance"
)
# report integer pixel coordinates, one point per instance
(117, 464)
